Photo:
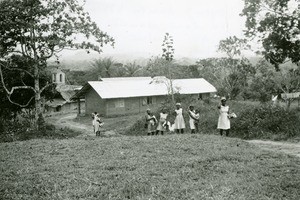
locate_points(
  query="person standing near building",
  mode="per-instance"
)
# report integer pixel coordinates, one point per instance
(193, 119)
(97, 124)
(150, 122)
(197, 116)
(223, 121)
(162, 119)
(179, 125)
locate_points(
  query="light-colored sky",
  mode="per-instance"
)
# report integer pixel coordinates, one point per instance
(138, 26)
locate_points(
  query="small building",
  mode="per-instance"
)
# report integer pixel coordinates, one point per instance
(63, 92)
(58, 77)
(128, 95)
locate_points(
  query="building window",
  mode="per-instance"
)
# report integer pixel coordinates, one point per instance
(200, 97)
(119, 103)
(60, 78)
(54, 78)
(149, 100)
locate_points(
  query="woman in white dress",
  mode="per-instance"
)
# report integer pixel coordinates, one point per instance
(179, 120)
(223, 122)
(162, 120)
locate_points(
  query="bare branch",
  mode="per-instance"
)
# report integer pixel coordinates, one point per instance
(21, 105)
(13, 88)
(18, 69)
(46, 86)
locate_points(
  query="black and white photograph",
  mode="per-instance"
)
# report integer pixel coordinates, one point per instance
(150, 99)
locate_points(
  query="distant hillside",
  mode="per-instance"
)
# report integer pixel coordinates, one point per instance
(81, 60)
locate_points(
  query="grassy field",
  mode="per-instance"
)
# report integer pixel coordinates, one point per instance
(158, 167)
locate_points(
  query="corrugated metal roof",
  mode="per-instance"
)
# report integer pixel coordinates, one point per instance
(110, 88)
(67, 91)
(193, 86)
(126, 78)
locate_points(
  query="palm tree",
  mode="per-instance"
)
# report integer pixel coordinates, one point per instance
(103, 67)
(132, 69)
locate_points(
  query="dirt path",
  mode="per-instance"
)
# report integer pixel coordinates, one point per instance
(66, 121)
(284, 147)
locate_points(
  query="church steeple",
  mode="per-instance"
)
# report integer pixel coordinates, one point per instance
(58, 77)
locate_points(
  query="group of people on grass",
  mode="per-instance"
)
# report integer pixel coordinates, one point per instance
(155, 127)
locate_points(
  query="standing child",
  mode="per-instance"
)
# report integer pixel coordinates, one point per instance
(193, 119)
(162, 120)
(179, 124)
(197, 116)
(150, 122)
(97, 124)
(223, 121)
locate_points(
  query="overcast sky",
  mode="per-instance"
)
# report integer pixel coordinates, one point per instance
(138, 26)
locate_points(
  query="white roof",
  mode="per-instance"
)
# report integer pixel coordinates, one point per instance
(193, 86)
(124, 87)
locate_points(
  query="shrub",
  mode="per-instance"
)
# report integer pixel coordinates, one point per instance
(266, 121)
(13, 130)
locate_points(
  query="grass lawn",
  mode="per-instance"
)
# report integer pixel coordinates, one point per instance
(117, 124)
(156, 167)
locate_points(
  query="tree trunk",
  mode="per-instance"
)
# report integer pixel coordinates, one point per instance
(171, 83)
(288, 104)
(37, 94)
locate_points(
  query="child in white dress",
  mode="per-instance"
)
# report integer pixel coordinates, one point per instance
(179, 120)
(193, 119)
(162, 120)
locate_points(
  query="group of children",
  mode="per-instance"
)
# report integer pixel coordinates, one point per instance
(179, 124)
(154, 126)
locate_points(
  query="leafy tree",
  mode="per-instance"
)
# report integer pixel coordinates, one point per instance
(39, 29)
(287, 80)
(103, 67)
(77, 77)
(268, 81)
(233, 46)
(239, 68)
(13, 74)
(167, 47)
(276, 25)
(120, 70)
(156, 66)
(132, 69)
(263, 85)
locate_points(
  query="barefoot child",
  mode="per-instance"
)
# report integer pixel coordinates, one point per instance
(97, 123)
(193, 119)
(162, 120)
(150, 122)
(197, 116)
(179, 124)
